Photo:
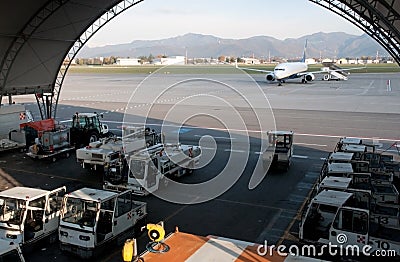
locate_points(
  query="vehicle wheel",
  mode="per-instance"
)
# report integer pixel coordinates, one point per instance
(93, 137)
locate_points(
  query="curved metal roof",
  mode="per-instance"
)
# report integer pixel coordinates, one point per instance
(380, 19)
(36, 36)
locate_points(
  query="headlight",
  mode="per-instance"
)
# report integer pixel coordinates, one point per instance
(84, 238)
(10, 236)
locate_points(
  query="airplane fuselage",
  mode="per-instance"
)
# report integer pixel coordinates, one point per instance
(289, 70)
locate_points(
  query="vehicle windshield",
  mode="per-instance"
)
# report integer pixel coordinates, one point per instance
(280, 141)
(81, 212)
(12, 210)
(137, 168)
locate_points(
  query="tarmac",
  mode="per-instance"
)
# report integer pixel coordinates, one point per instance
(232, 111)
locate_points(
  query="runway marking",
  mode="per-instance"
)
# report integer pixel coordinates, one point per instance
(235, 151)
(302, 157)
(218, 137)
(249, 204)
(249, 131)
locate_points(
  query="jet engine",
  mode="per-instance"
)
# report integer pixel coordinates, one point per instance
(270, 77)
(310, 77)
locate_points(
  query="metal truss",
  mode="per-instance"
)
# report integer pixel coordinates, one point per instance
(375, 17)
(23, 36)
(80, 42)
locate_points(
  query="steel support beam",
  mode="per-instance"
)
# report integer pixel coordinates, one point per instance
(23, 36)
(366, 15)
(80, 42)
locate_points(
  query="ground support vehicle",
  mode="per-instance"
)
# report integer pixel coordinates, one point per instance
(282, 144)
(101, 154)
(359, 168)
(10, 252)
(381, 192)
(50, 140)
(11, 136)
(380, 162)
(149, 168)
(16, 141)
(11, 117)
(387, 214)
(329, 219)
(87, 128)
(354, 145)
(92, 219)
(28, 215)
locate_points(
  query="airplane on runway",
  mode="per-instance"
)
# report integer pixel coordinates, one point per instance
(292, 70)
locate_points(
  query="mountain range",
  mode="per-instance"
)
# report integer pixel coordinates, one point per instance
(325, 45)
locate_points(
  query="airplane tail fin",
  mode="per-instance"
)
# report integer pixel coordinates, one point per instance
(304, 54)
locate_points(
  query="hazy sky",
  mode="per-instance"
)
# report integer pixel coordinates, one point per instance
(157, 19)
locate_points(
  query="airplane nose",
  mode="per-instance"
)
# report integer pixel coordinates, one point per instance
(278, 75)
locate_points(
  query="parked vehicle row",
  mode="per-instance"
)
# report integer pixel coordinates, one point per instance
(355, 201)
(83, 221)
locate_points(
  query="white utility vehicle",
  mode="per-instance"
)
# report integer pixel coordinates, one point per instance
(92, 219)
(330, 218)
(28, 215)
(149, 168)
(282, 143)
(10, 252)
(103, 153)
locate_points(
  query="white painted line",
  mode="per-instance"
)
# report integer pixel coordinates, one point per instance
(323, 158)
(257, 131)
(302, 157)
(208, 148)
(216, 137)
(258, 153)
(234, 151)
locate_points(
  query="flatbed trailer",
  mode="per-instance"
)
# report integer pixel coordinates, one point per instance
(7, 144)
(53, 156)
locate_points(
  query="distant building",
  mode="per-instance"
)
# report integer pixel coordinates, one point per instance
(172, 60)
(310, 61)
(342, 61)
(128, 61)
(251, 61)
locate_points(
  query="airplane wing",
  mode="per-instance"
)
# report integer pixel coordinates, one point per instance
(335, 70)
(253, 69)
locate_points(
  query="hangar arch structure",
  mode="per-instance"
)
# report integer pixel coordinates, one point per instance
(380, 19)
(39, 39)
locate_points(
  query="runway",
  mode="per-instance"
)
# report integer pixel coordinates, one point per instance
(319, 113)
